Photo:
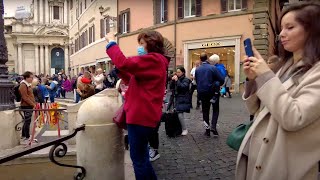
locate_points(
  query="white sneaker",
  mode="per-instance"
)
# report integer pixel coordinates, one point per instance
(151, 152)
(153, 155)
(184, 132)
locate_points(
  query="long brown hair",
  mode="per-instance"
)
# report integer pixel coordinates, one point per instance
(307, 14)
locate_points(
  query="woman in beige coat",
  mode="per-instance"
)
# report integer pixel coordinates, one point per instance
(283, 142)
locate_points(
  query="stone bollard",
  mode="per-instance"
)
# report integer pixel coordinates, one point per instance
(10, 137)
(100, 147)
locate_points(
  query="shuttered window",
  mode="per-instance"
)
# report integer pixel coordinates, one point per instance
(124, 21)
(161, 11)
(93, 33)
(189, 8)
(102, 29)
(235, 5)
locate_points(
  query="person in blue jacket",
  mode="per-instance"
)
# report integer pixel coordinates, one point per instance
(209, 80)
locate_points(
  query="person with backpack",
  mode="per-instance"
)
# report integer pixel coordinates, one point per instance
(27, 102)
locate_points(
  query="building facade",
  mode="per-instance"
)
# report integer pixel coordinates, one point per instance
(195, 26)
(39, 43)
(90, 21)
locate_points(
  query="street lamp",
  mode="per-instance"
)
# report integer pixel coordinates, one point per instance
(6, 86)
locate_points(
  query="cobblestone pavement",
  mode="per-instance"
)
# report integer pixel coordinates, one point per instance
(196, 156)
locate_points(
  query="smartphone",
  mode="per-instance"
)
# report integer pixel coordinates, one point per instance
(248, 47)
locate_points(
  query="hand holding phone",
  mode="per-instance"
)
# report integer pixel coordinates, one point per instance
(248, 47)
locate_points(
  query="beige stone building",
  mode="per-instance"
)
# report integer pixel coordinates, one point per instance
(90, 21)
(39, 42)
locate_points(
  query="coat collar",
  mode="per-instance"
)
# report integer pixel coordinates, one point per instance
(25, 82)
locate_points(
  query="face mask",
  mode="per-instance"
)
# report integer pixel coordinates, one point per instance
(141, 50)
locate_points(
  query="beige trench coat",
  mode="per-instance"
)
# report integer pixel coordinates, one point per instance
(284, 141)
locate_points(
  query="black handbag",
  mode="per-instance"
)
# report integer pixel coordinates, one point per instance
(170, 118)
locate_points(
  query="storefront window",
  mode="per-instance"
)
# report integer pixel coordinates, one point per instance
(226, 54)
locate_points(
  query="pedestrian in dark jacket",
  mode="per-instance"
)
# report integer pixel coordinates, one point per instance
(146, 77)
(37, 93)
(180, 86)
(209, 79)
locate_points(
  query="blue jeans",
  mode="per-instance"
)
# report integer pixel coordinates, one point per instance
(52, 96)
(58, 92)
(77, 97)
(139, 151)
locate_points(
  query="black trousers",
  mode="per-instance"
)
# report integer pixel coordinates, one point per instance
(192, 89)
(206, 104)
(63, 93)
(154, 137)
(227, 91)
(27, 121)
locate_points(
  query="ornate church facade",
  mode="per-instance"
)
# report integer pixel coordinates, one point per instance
(40, 42)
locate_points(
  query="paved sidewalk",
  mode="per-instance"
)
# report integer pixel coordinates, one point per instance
(197, 156)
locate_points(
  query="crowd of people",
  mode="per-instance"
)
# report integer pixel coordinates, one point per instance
(48, 88)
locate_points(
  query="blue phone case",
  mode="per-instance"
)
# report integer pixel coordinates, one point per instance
(248, 47)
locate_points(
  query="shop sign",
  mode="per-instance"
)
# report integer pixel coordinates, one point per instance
(211, 44)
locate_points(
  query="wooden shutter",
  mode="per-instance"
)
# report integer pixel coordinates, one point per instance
(180, 9)
(244, 4)
(93, 34)
(107, 24)
(165, 12)
(128, 21)
(86, 37)
(90, 35)
(224, 6)
(102, 33)
(198, 8)
(157, 10)
(120, 24)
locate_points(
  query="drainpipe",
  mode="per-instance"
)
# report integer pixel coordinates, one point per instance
(175, 35)
(117, 23)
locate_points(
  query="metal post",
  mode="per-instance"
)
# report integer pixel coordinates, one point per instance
(6, 86)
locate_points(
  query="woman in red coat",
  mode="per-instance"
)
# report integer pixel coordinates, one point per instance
(146, 77)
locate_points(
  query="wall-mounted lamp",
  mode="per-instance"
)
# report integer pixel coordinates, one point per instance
(102, 9)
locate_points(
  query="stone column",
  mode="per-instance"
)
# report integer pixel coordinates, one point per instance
(101, 136)
(65, 12)
(41, 59)
(261, 27)
(36, 57)
(61, 14)
(66, 60)
(35, 12)
(47, 14)
(20, 65)
(50, 14)
(47, 64)
(41, 10)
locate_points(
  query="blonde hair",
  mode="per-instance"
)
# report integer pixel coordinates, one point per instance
(35, 82)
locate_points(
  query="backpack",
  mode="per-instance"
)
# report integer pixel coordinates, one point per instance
(17, 93)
